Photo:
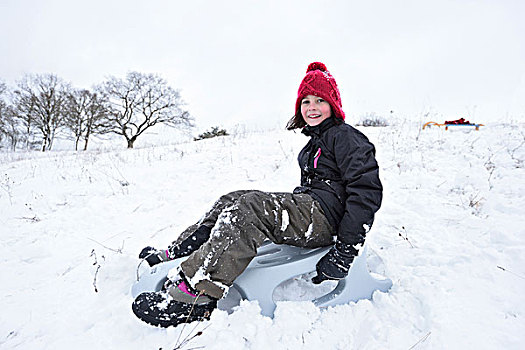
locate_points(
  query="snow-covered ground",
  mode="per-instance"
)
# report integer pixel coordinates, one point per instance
(450, 235)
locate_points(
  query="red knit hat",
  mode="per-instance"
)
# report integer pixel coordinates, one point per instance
(319, 82)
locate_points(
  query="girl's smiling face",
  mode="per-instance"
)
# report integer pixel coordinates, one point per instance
(315, 110)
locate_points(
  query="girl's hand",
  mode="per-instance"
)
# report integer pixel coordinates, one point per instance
(335, 264)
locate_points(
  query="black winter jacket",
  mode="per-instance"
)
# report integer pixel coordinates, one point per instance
(339, 169)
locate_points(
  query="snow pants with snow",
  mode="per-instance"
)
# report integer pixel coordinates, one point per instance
(241, 221)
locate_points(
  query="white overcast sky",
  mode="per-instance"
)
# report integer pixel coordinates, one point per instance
(241, 61)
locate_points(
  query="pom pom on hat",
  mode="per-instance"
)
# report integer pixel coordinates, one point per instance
(319, 82)
(316, 66)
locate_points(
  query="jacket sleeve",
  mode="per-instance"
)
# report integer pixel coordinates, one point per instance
(355, 157)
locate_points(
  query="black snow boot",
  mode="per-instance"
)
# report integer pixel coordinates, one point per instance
(176, 303)
(177, 250)
(154, 256)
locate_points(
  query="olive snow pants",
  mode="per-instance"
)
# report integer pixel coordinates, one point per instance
(241, 221)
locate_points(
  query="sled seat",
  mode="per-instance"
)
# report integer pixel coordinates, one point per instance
(273, 265)
(454, 125)
(447, 125)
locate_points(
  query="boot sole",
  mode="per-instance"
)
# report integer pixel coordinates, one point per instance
(188, 315)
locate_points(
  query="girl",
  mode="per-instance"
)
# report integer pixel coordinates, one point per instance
(335, 204)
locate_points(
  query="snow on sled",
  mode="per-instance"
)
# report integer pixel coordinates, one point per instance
(274, 265)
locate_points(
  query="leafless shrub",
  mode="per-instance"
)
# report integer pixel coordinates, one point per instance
(371, 119)
(214, 132)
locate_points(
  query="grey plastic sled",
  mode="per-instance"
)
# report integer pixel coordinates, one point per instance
(273, 265)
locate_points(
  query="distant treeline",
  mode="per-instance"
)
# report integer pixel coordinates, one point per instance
(42, 106)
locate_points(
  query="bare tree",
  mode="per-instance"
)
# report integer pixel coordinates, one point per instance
(39, 103)
(86, 115)
(3, 112)
(23, 111)
(141, 101)
(9, 128)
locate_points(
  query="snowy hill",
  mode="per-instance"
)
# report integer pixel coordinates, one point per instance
(450, 235)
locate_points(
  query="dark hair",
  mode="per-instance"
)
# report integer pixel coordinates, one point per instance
(297, 121)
